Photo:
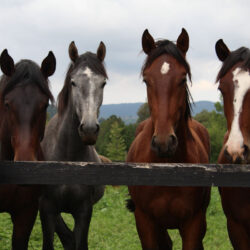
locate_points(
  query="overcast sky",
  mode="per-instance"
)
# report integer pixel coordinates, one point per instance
(30, 28)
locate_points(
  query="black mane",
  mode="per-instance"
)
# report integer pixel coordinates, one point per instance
(26, 71)
(168, 47)
(240, 55)
(87, 59)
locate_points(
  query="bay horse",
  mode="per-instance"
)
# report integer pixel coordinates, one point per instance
(70, 136)
(234, 84)
(169, 135)
(24, 97)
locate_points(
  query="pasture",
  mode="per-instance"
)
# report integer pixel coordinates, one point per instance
(113, 227)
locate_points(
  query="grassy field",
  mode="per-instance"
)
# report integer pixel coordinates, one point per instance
(113, 227)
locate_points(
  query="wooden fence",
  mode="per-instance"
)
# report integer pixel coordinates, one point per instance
(124, 174)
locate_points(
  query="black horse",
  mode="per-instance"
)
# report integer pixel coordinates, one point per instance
(70, 136)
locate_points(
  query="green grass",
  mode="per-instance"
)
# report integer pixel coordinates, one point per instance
(113, 227)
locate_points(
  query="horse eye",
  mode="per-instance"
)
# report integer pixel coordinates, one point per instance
(73, 83)
(6, 105)
(221, 90)
(46, 106)
(183, 81)
(103, 84)
(145, 82)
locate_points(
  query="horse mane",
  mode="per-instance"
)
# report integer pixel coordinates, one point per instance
(240, 55)
(26, 71)
(87, 59)
(168, 47)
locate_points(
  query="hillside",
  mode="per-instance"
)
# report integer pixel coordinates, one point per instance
(128, 111)
(201, 105)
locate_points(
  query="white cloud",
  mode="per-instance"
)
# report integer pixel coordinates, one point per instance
(29, 29)
(124, 89)
(204, 90)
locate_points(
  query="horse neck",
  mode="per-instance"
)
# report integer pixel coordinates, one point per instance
(40, 155)
(68, 133)
(7, 152)
(183, 129)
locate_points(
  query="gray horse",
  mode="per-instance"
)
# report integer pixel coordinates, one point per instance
(69, 136)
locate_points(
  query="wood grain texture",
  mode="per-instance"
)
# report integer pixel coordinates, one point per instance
(124, 174)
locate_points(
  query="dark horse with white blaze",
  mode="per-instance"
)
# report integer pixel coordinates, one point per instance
(234, 84)
(70, 136)
(170, 135)
(24, 97)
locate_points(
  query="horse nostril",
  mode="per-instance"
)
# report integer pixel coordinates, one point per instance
(238, 160)
(153, 141)
(97, 128)
(227, 155)
(246, 151)
(81, 126)
(173, 140)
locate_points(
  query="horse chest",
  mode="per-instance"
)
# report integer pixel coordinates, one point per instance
(68, 197)
(168, 205)
(17, 196)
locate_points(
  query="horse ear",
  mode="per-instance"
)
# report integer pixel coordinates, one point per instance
(73, 52)
(222, 50)
(183, 41)
(101, 51)
(148, 43)
(7, 63)
(48, 66)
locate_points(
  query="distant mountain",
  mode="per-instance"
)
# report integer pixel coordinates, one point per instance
(128, 111)
(51, 110)
(201, 105)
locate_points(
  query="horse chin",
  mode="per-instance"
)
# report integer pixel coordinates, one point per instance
(165, 154)
(89, 140)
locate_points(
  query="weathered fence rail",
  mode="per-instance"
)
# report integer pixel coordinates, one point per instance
(124, 174)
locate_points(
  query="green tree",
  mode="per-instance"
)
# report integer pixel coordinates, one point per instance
(116, 148)
(215, 122)
(143, 112)
(129, 134)
(104, 134)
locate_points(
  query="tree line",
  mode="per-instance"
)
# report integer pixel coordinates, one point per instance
(115, 136)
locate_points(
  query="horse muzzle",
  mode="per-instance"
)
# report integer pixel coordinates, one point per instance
(164, 147)
(25, 155)
(242, 155)
(89, 132)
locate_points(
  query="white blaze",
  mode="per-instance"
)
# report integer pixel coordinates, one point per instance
(241, 80)
(164, 68)
(89, 74)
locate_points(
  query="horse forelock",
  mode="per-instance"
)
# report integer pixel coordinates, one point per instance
(26, 72)
(166, 47)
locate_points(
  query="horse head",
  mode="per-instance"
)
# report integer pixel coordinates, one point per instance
(234, 84)
(165, 74)
(24, 99)
(83, 87)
